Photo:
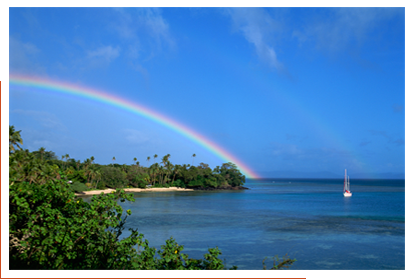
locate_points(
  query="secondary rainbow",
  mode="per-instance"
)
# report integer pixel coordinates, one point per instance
(124, 104)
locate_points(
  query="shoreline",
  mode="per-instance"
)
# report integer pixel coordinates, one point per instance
(133, 190)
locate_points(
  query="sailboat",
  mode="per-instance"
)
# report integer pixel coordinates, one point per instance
(347, 190)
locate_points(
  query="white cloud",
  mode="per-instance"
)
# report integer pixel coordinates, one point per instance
(259, 29)
(157, 26)
(329, 30)
(144, 29)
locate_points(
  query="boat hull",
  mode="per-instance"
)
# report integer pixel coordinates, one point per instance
(347, 194)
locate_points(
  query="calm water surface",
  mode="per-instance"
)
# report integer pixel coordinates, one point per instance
(308, 219)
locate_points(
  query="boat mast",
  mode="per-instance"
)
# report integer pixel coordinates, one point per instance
(345, 181)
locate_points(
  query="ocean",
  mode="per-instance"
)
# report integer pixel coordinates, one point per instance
(307, 219)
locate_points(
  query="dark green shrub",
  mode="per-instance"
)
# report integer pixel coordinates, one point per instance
(136, 178)
(78, 187)
(178, 183)
(113, 177)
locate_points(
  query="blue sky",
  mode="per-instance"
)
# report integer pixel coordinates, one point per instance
(282, 89)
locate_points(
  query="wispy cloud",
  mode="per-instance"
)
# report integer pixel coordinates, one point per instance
(143, 30)
(259, 28)
(331, 30)
(341, 27)
(104, 54)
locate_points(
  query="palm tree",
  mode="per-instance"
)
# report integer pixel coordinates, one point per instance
(14, 139)
(148, 159)
(169, 167)
(135, 159)
(89, 174)
(193, 158)
(92, 159)
(113, 160)
(67, 157)
(155, 157)
(98, 176)
(86, 163)
(175, 169)
(63, 156)
(41, 152)
(153, 171)
(165, 159)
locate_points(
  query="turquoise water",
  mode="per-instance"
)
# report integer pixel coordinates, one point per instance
(308, 219)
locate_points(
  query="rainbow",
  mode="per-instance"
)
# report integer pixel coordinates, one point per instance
(127, 105)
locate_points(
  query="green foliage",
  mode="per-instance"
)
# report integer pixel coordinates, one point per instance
(14, 139)
(78, 187)
(113, 177)
(52, 229)
(171, 258)
(278, 263)
(45, 155)
(137, 178)
(178, 183)
(78, 176)
(232, 175)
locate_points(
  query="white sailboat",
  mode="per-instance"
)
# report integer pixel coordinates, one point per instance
(347, 189)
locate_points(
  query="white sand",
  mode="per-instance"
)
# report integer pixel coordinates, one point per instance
(106, 191)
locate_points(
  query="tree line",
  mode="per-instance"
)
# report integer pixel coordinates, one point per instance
(90, 175)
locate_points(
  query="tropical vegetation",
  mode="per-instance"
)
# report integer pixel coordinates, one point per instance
(88, 175)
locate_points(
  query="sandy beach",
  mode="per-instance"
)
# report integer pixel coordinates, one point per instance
(130, 190)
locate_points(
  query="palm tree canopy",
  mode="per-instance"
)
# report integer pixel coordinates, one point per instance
(14, 138)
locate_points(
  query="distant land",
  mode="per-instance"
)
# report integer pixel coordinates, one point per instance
(326, 174)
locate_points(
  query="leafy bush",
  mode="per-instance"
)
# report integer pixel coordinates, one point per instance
(52, 229)
(78, 187)
(136, 178)
(178, 183)
(77, 176)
